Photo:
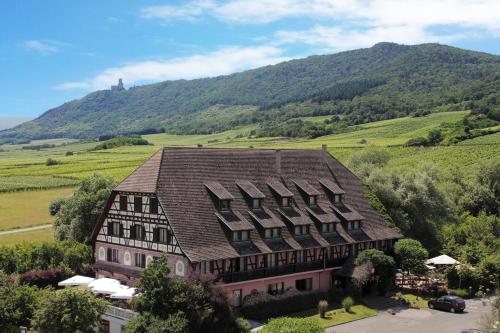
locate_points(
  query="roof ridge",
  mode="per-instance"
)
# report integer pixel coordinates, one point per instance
(159, 171)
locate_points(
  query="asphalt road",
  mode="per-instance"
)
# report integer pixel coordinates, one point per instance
(419, 321)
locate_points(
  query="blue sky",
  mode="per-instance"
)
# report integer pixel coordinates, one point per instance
(54, 51)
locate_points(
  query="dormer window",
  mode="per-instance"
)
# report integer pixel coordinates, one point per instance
(337, 198)
(272, 233)
(225, 205)
(256, 203)
(301, 230)
(313, 200)
(327, 228)
(239, 236)
(353, 225)
(285, 202)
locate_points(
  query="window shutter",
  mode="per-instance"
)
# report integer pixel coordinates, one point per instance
(121, 230)
(143, 233)
(156, 235)
(132, 231)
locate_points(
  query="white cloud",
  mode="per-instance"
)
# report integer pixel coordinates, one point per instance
(44, 47)
(224, 61)
(343, 24)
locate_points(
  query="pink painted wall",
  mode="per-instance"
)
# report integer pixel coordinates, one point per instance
(172, 260)
(320, 281)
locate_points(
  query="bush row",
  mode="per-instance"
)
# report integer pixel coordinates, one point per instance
(26, 257)
(263, 305)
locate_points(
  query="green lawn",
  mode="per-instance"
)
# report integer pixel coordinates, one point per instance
(414, 300)
(336, 315)
(35, 236)
(27, 209)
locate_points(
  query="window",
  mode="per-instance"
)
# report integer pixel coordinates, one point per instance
(112, 255)
(164, 236)
(140, 260)
(138, 204)
(256, 204)
(312, 200)
(276, 288)
(328, 227)
(272, 233)
(137, 232)
(114, 229)
(123, 202)
(285, 202)
(301, 230)
(271, 260)
(303, 284)
(240, 235)
(153, 205)
(225, 205)
(353, 225)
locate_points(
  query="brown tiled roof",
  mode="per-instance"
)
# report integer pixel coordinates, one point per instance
(279, 188)
(183, 172)
(322, 214)
(331, 186)
(218, 190)
(144, 178)
(306, 187)
(234, 221)
(294, 216)
(266, 218)
(250, 189)
(347, 212)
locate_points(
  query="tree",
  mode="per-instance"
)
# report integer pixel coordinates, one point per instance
(411, 255)
(78, 215)
(148, 323)
(434, 137)
(383, 264)
(68, 310)
(17, 303)
(196, 301)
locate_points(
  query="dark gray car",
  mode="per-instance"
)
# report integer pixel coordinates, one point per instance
(448, 303)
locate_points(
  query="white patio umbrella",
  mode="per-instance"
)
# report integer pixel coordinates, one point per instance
(124, 294)
(77, 280)
(105, 286)
(442, 260)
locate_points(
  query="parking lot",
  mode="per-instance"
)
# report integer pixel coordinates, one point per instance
(419, 321)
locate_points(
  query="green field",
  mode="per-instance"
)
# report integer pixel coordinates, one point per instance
(27, 209)
(34, 236)
(22, 170)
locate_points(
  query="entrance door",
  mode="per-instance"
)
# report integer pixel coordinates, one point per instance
(237, 298)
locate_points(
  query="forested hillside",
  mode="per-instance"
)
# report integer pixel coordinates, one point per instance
(382, 82)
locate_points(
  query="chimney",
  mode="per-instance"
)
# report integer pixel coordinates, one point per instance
(278, 160)
(324, 147)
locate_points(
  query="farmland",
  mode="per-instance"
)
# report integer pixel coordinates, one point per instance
(25, 169)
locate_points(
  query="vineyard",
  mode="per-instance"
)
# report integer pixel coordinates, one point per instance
(26, 169)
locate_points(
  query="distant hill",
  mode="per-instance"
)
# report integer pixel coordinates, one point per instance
(8, 122)
(382, 82)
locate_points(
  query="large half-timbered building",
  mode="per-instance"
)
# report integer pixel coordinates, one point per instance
(258, 219)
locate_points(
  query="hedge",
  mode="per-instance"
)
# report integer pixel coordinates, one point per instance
(43, 278)
(292, 325)
(261, 306)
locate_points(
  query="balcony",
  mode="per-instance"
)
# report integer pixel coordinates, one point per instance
(280, 270)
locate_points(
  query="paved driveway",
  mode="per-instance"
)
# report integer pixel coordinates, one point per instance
(419, 321)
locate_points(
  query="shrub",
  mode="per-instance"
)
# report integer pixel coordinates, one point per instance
(69, 153)
(292, 325)
(464, 293)
(243, 325)
(347, 304)
(43, 278)
(263, 305)
(322, 308)
(51, 161)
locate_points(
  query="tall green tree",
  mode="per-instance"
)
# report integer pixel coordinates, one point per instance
(68, 310)
(77, 216)
(384, 266)
(187, 305)
(411, 255)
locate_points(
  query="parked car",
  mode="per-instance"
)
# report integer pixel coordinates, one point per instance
(448, 303)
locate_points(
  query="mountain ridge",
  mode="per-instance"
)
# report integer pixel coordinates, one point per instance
(385, 81)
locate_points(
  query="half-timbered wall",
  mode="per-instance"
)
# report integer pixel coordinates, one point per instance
(145, 218)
